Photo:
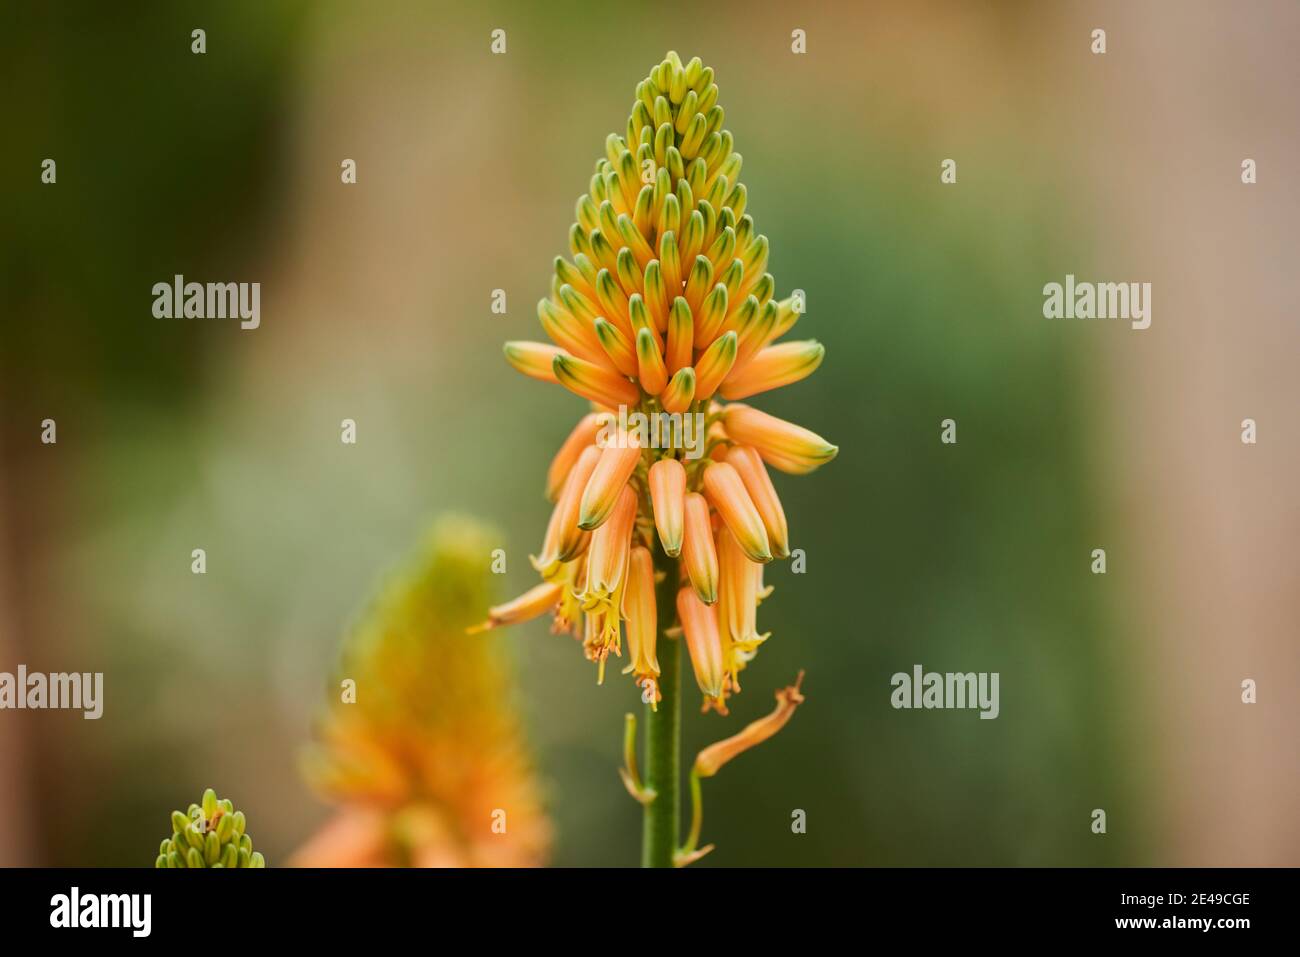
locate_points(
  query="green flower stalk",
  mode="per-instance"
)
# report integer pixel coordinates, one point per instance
(211, 834)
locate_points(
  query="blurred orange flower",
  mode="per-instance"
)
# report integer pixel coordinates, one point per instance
(420, 745)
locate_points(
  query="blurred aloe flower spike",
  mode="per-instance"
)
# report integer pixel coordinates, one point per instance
(420, 742)
(209, 834)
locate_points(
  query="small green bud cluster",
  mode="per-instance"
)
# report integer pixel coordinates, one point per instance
(209, 835)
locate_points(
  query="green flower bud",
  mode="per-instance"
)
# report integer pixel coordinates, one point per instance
(212, 834)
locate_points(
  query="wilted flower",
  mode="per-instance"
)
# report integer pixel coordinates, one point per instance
(709, 761)
(665, 306)
(211, 834)
(420, 745)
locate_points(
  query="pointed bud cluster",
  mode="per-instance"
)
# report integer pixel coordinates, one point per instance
(210, 834)
(665, 305)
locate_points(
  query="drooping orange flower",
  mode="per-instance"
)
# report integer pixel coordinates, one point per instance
(662, 312)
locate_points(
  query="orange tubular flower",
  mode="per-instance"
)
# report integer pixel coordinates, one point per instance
(650, 362)
(774, 367)
(642, 620)
(661, 312)
(533, 359)
(699, 558)
(714, 365)
(783, 445)
(738, 589)
(668, 499)
(570, 334)
(608, 558)
(617, 347)
(749, 466)
(700, 626)
(726, 492)
(592, 382)
(617, 462)
(681, 336)
(565, 539)
(538, 600)
(680, 392)
(709, 761)
(581, 438)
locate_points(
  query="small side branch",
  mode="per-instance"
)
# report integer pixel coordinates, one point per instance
(631, 778)
(690, 854)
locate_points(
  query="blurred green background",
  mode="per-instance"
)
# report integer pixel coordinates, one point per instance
(175, 435)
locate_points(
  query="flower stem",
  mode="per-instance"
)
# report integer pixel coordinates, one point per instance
(663, 731)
